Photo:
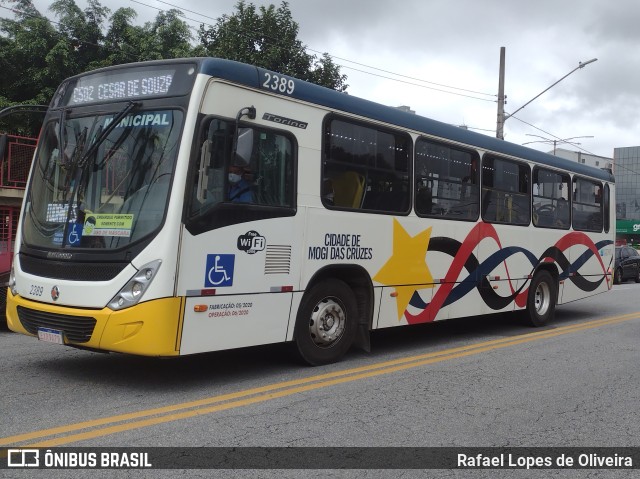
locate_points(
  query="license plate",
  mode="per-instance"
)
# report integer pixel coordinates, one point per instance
(50, 335)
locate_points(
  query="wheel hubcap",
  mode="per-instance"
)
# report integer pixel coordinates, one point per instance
(542, 299)
(327, 322)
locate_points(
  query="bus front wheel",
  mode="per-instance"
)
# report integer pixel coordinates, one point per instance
(326, 323)
(541, 301)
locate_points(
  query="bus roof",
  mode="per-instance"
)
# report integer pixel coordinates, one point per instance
(309, 92)
(253, 76)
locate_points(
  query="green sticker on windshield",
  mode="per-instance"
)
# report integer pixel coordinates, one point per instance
(107, 225)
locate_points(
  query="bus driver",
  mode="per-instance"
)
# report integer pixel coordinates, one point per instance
(239, 187)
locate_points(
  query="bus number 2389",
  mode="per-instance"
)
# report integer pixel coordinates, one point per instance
(277, 83)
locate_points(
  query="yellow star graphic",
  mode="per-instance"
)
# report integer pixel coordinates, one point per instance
(407, 265)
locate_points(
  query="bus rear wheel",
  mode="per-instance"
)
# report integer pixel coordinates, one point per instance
(541, 301)
(326, 322)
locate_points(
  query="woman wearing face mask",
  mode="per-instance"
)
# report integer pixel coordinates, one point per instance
(239, 188)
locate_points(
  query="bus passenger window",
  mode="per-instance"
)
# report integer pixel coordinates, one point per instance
(506, 192)
(446, 181)
(551, 199)
(368, 167)
(587, 205)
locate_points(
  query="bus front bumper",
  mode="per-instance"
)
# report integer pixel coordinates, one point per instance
(151, 328)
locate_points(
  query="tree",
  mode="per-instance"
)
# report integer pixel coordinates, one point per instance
(167, 37)
(23, 45)
(268, 38)
(79, 47)
(37, 54)
(123, 39)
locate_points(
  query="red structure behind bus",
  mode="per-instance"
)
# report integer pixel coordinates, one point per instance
(16, 154)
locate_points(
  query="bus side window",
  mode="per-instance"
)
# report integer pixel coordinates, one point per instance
(506, 191)
(368, 165)
(587, 205)
(447, 181)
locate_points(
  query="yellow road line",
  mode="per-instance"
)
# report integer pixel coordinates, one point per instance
(247, 397)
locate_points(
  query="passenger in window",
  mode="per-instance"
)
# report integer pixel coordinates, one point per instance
(240, 190)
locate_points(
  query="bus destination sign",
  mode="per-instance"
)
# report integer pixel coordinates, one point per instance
(131, 84)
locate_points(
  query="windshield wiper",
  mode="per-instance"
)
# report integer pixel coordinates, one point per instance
(78, 166)
(105, 133)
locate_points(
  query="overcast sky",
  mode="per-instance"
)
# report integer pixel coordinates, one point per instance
(457, 43)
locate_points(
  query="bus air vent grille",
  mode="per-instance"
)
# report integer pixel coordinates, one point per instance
(278, 259)
(70, 271)
(77, 329)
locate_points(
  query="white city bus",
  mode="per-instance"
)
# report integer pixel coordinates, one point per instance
(184, 206)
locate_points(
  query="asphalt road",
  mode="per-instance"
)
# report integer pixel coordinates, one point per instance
(476, 382)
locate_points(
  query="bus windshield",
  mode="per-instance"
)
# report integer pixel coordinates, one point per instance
(101, 181)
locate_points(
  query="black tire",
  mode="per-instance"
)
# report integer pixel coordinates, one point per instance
(638, 275)
(326, 323)
(542, 298)
(617, 277)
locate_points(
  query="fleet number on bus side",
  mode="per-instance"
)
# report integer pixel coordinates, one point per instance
(278, 83)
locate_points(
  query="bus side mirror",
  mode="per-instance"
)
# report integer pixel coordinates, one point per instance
(249, 112)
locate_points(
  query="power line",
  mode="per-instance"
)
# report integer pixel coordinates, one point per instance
(547, 133)
(347, 60)
(580, 148)
(478, 129)
(182, 16)
(411, 78)
(384, 71)
(332, 56)
(181, 8)
(414, 84)
(341, 65)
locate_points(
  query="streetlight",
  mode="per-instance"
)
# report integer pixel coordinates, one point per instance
(504, 117)
(556, 141)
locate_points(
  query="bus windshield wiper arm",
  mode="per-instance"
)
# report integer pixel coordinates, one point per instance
(85, 157)
(105, 133)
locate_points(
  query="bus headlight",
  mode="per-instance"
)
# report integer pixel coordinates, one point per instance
(133, 291)
(12, 282)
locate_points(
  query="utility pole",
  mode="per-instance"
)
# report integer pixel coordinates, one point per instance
(501, 97)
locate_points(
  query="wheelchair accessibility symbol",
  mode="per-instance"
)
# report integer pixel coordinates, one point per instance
(75, 234)
(219, 271)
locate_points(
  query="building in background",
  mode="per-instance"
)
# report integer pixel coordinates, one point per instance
(627, 171)
(585, 158)
(625, 165)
